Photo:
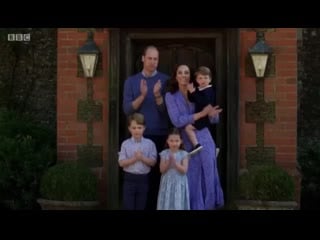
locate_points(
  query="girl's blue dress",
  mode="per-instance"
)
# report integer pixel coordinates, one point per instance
(173, 190)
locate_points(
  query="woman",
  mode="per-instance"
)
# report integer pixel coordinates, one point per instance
(204, 183)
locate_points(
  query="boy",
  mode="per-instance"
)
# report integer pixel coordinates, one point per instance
(202, 96)
(144, 93)
(136, 157)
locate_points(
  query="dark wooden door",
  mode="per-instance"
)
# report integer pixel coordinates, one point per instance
(193, 52)
(172, 52)
(215, 48)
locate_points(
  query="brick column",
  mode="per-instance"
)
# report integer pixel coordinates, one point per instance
(73, 109)
(280, 87)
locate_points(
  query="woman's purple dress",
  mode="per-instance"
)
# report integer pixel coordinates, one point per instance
(203, 178)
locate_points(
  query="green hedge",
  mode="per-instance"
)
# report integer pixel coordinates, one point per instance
(27, 150)
(14, 124)
(22, 164)
(269, 183)
(69, 182)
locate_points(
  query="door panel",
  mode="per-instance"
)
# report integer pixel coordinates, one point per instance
(216, 48)
(194, 52)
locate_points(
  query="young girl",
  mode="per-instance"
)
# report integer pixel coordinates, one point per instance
(136, 157)
(173, 190)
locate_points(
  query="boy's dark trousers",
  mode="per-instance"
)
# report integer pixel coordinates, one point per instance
(135, 191)
(154, 175)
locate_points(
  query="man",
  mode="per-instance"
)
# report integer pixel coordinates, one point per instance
(144, 93)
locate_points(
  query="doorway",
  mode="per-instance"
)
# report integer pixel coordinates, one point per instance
(194, 47)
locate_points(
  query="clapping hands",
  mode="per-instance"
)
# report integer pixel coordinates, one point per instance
(143, 87)
(138, 155)
(172, 160)
(157, 89)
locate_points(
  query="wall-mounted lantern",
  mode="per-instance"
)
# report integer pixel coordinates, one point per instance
(260, 54)
(89, 54)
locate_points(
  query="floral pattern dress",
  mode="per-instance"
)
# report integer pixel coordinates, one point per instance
(173, 190)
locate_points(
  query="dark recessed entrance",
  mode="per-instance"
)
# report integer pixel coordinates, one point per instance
(215, 48)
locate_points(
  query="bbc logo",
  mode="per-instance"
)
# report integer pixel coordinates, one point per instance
(19, 37)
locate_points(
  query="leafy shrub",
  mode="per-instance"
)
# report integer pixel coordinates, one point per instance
(13, 124)
(309, 160)
(269, 183)
(29, 73)
(27, 149)
(22, 164)
(69, 182)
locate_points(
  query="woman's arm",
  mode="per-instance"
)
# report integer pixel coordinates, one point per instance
(178, 116)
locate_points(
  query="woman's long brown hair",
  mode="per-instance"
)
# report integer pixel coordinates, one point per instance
(173, 86)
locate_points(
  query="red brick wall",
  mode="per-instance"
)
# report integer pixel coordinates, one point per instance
(70, 88)
(281, 88)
